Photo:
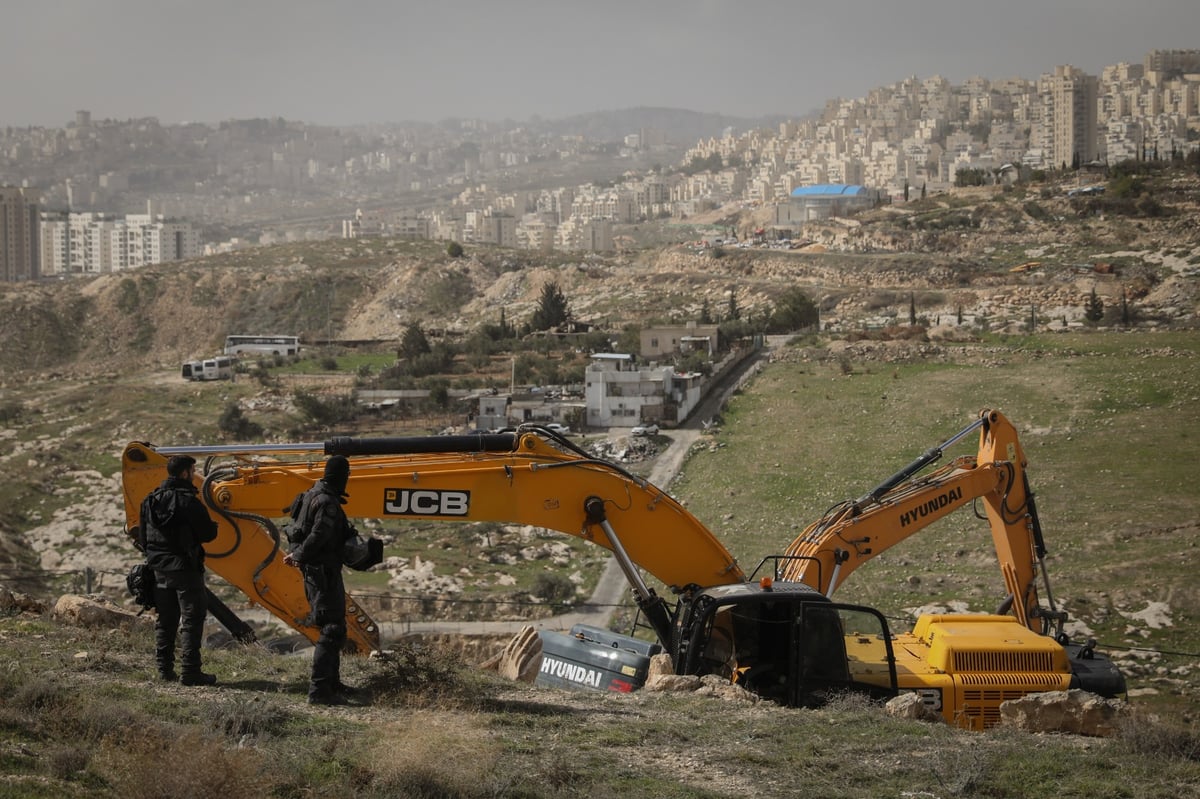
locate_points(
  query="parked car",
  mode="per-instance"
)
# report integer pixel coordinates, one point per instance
(645, 430)
(555, 427)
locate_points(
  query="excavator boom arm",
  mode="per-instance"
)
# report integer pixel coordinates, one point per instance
(509, 478)
(830, 549)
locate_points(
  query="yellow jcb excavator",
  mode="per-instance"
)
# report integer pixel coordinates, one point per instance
(781, 636)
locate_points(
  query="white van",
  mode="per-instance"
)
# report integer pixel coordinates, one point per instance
(218, 368)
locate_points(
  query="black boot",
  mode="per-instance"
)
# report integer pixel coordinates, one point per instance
(198, 678)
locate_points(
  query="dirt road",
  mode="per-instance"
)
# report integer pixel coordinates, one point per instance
(612, 586)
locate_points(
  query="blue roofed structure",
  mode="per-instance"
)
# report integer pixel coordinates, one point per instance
(829, 190)
(813, 203)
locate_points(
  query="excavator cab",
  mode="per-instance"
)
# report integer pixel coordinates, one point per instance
(785, 642)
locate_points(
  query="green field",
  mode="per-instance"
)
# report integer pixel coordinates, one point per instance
(1109, 424)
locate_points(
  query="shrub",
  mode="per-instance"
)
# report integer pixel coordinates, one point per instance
(64, 761)
(326, 412)
(411, 675)
(1146, 736)
(235, 423)
(11, 412)
(1036, 211)
(249, 716)
(552, 587)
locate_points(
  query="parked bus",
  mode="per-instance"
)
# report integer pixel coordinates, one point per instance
(218, 368)
(262, 345)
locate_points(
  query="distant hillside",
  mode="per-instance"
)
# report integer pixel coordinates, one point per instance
(947, 257)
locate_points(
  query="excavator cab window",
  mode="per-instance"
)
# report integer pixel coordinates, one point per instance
(841, 648)
(720, 655)
(821, 655)
(747, 644)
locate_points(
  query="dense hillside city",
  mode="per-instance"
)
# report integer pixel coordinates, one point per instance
(157, 192)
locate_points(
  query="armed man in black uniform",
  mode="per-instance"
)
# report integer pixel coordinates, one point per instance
(175, 526)
(323, 530)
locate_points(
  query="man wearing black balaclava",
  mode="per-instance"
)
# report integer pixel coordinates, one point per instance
(324, 530)
(175, 526)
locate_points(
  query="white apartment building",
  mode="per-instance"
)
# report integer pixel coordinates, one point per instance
(1122, 140)
(536, 231)
(497, 229)
(589, 235)
(618, 395)
(93, 244)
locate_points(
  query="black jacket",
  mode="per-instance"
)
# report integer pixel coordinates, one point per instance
(325, 527)
(175, 527)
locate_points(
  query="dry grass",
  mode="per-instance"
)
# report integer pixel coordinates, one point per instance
(118, 733)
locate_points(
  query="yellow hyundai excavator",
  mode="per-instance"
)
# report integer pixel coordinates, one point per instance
(957, 656)
(781, 636)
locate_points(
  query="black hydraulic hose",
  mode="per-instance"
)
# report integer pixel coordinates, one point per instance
(206, 492)
(1035, 523)
(232, 517)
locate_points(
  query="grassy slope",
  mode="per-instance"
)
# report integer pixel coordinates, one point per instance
(80, 715)
(1108, 423)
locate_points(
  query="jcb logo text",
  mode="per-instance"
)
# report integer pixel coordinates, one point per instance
(413, 502)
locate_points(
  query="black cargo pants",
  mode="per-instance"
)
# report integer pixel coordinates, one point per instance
(326, 594)
(179, 596)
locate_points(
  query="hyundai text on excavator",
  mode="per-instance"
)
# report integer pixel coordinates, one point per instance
(781, 636)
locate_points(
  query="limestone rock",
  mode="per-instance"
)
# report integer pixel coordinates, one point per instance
(910, 706)
(673, 682)
(724, 689)
(88, 612)
(13, 602)
(1075, 711)
(660, 665)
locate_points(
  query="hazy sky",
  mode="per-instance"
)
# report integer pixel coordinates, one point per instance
(389, 60)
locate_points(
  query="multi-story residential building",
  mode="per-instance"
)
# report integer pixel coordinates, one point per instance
(1122, 140)
(497, 229)
(20, 243)
(557, 202)
(411, 225)
(590, 235)
(619, 395)
(362, 225)
(91, 243)
(1072, 97)
(537, 231)
(1167, 62)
